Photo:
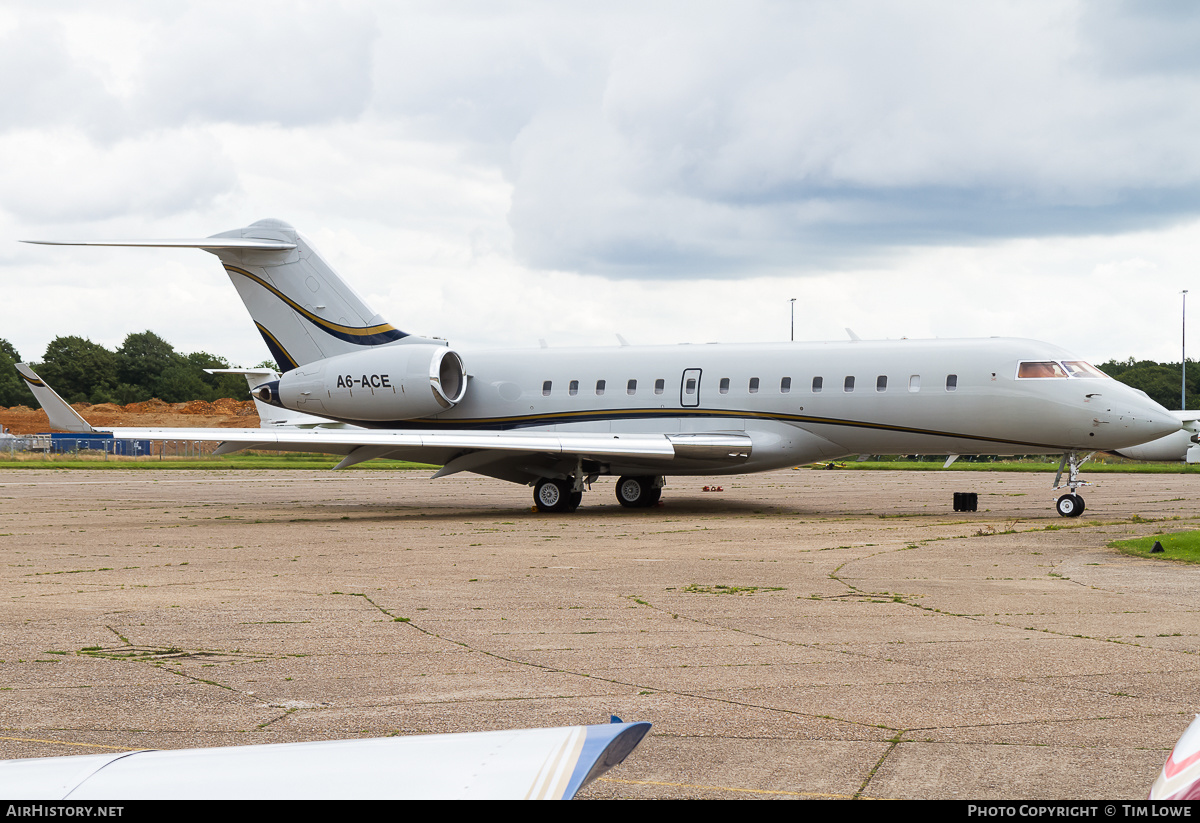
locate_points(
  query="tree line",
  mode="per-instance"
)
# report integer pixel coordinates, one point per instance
(145, 366)
(1162, 381)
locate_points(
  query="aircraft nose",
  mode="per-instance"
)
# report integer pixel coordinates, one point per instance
(1150, 421)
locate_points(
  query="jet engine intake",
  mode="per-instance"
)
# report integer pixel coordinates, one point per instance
(400, 382)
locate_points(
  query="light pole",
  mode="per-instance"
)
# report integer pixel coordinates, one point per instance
(1183, 356)
(793, 302)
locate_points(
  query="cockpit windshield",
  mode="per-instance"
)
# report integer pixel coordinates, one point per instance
(1052, 368)
(1081, 368)
(1041, 368)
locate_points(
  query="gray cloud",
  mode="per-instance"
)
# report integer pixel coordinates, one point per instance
(841, 129)
(290, 63)
(43, 86)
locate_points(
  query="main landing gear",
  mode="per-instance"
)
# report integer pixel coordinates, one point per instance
(1071, 504)
(561, 496)
(556, 495)
(639, 492)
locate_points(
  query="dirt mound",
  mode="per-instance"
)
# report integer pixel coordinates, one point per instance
(228, 405)
(156, 413)
(151, 406)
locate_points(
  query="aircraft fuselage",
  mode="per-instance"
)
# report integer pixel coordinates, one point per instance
(799, 402)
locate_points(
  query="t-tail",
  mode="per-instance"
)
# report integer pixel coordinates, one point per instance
(304, 311)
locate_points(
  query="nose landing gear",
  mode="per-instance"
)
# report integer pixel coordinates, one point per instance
(1071, 504)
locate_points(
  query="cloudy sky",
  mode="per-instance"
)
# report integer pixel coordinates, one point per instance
(496, 173)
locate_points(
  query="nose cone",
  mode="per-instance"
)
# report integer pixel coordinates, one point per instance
(1134, 419)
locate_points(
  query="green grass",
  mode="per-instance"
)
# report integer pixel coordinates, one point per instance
(228, 461)
(1181, 546)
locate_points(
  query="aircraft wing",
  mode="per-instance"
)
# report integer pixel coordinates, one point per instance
(520, 764)
(455, 448)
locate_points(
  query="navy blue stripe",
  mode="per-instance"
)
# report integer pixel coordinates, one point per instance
(358, 335)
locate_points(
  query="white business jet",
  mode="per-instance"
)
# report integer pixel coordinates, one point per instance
(557, 419)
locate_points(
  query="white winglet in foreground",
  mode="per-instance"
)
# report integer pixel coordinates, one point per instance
(520, 764)
(557, 419)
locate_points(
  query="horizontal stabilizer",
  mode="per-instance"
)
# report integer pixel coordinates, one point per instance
(206, 243)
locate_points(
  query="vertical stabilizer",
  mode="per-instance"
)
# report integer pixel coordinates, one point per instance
(302, 308)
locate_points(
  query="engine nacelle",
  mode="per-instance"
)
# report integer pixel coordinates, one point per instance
(381, 384)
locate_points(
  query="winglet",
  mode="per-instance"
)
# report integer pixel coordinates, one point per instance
(61, 415)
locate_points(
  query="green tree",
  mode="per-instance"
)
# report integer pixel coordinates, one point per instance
(1159, 380)
(141, 361)
(220, 385)
(13, 391)
(79, 370)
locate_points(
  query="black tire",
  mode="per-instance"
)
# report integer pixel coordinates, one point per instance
(554, 496)
(637, 492)
(1069, 505)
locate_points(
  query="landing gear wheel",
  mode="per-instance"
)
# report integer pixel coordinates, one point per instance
(1070, 505)
(555, 496)
(638, 492)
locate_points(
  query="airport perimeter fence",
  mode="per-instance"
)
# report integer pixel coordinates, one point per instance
(49, 447)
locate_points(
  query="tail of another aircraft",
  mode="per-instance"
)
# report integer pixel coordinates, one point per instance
(304, 311)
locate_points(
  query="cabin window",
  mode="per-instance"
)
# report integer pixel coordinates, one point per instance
(659, 385)
(785, 385)
(914, 383)
(1041, 368)
(724, 387)
(573, 388)
(546, 389)
(881, 383)
(817, 383)
(848, 385)
(631, 387)
(952, 382)
(689, 387)
(599, 387)
(753, 385)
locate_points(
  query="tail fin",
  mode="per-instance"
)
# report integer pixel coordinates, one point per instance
(304, 311)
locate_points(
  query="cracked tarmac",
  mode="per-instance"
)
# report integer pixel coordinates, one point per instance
(806, 634)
